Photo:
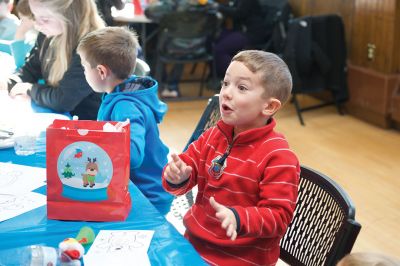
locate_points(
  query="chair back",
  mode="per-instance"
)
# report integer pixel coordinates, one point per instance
(323, 229)
(189, 23)
(187, 34)
(315, 52)
(208, 119)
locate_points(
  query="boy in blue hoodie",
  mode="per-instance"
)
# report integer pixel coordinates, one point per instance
(108, 56)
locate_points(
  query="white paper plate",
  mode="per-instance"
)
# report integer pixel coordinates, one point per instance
(37, 121)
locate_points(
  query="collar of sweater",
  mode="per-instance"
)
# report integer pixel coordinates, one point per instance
(250, 135)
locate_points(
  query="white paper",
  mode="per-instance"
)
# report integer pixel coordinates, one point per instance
(19, 179)
(117, 247)
(13, 205)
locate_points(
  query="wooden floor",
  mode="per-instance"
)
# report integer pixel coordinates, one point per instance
(362, 158)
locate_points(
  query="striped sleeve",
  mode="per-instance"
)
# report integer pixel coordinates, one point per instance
(192, 158)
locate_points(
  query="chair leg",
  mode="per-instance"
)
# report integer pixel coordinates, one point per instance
(194, 66)
(214, 82)
(203, 78)
(298, 109)
(159, 73)
(337, 104)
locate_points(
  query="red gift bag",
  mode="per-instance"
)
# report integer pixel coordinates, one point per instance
(87, 171)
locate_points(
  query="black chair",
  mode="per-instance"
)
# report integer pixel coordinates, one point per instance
(323, 229)
(315, 52)
(186, 37)
(208, 119)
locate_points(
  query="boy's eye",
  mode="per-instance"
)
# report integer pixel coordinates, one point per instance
(242, 88)
(224, 83)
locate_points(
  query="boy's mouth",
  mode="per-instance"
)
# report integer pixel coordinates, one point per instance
(226, 107)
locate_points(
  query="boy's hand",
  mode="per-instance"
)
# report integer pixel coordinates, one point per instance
(226, 217)
(177, 171)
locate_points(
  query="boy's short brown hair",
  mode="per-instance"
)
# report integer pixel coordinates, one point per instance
(114, 47)
(274, 72)
(23, 9)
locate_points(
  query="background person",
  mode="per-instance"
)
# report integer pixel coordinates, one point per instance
(53, 59)
(26, 29)
(8, 22)
(247, 30)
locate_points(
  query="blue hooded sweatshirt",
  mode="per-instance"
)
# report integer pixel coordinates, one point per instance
(136, 99)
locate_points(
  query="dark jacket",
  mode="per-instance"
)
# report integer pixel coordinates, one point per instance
(73, 94)
(247, 17)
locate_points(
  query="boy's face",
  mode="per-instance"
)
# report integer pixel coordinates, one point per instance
(46, 21)
(241, 99)
(92, 75)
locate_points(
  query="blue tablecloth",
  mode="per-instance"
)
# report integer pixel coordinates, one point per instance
(168, 246)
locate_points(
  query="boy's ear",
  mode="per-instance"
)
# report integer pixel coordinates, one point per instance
(103, 71)
(272, 106)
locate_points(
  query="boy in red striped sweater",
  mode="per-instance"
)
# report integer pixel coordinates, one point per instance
(246, 174)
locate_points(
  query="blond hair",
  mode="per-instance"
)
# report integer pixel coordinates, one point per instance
(274, 73)
(78, 18)
(368, 259)
(115, 47)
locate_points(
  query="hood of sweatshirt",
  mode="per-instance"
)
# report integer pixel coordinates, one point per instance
(143, 91)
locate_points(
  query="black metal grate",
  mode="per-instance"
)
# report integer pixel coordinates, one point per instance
(321, 232)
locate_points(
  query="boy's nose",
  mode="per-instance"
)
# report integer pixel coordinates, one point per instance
(226, 92)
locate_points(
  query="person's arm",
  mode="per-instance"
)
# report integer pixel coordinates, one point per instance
(191, 158)
(72, 89)
(31, 71)
(278, 193)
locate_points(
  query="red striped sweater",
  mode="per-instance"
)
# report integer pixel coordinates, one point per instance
(260, 182)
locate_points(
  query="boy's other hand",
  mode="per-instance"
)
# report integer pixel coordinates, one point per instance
(177, 171)
(226, 217)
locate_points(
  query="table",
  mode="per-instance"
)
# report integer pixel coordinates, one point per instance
(127, 15)
(167, 247)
